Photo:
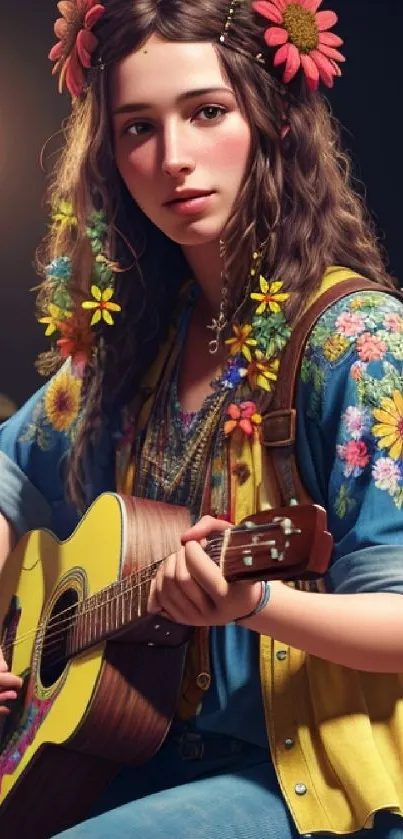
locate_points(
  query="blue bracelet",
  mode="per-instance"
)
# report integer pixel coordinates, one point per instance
(261, 603)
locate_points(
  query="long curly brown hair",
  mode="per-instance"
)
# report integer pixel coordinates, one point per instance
(296, 203)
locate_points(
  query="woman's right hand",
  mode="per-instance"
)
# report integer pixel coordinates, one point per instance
(9, 685)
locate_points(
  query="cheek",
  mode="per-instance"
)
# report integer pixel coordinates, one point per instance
(135, 167)
(232, 151)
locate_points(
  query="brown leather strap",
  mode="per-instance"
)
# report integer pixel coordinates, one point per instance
(279, 423)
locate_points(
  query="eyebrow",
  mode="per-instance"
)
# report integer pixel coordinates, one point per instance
(130, 107)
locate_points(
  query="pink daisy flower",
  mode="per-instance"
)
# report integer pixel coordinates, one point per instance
(77, 43)
(302, 37)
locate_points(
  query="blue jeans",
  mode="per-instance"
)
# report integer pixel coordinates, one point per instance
(202, 787)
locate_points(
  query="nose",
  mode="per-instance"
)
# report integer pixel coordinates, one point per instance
(177, 156)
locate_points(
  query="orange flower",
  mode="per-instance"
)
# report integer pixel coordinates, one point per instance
(244, 417)
(77, 340)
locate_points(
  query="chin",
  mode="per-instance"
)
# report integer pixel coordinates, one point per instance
(196, 233)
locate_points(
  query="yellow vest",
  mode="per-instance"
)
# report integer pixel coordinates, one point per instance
(335, 734)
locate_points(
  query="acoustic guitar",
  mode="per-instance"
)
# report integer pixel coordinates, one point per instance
(100, 676)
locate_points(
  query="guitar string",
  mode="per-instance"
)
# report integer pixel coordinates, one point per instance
(61, 624)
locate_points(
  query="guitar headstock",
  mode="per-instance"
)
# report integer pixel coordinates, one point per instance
(287, 543)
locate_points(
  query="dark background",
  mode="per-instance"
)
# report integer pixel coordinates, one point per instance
(367, 100)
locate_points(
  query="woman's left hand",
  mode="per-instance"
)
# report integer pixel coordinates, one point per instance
(189, 587)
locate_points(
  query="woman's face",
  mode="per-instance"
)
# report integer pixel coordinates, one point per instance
(181, 143)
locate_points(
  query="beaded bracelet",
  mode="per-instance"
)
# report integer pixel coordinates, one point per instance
(261, 603)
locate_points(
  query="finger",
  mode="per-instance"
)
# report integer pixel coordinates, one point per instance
(10, 681)
(177, 595)
(205, 572)
(153, 605)
(163, 581)
(8, 694)
(183, 612)
(188, 589)
(203, 528)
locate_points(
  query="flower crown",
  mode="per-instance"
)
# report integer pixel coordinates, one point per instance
(297, 31)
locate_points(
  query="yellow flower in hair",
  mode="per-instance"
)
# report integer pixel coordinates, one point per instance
(269, 295)
(242, 341)
(62, 400)
(102, 304)
(63, 215)
(54, 318)
(262, 372)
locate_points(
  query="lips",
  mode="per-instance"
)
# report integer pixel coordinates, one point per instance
(187, 195)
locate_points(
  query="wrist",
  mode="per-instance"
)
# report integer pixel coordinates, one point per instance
(263, 600)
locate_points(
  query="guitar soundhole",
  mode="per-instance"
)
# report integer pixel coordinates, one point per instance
(55, 649)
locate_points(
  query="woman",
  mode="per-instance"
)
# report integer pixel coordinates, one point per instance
(203, 208)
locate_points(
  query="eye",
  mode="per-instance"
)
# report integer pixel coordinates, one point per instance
(137, 129)
(211, 112)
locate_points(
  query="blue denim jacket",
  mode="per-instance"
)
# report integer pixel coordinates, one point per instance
(350, 458)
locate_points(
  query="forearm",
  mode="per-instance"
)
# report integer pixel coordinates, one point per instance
(362, 631)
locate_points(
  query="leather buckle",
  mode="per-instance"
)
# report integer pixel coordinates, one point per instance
(279, 428)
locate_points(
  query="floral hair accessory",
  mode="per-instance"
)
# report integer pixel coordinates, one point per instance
(77, 43)
(244, 416)
(300, 34)
(253, 362)
(76, 338)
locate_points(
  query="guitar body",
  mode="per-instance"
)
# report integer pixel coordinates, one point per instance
(78, 719)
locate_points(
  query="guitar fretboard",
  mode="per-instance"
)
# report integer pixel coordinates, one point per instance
(109, 611)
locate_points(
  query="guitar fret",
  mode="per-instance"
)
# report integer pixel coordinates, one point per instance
(91, 622)
(117, 600)
(125, 612)
(85, 627)
(139, 593)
